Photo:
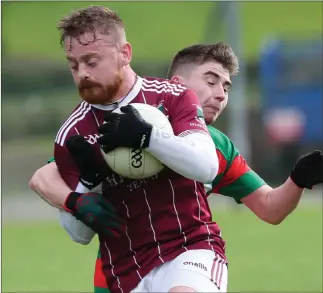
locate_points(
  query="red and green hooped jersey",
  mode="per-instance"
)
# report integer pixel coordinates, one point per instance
(100, 282)
(235, 179)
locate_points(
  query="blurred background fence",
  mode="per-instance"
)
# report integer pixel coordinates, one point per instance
(275, 109)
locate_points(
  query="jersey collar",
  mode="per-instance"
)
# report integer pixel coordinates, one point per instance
(123, 101)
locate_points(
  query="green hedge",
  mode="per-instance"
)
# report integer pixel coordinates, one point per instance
(156, 29)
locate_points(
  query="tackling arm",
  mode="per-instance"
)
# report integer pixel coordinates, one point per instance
(245, 186)
(238, 181)
(50, 186)
(190, 151)
(274, 205)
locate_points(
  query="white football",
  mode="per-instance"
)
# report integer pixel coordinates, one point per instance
(137, 163)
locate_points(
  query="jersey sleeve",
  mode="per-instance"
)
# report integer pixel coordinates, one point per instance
(66, 167)
(239, 180)
(186, 114)
(235, 178)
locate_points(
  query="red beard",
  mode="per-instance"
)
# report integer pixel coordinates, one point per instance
(95, 93)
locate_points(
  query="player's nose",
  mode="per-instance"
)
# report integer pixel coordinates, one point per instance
(83, 72)
(219, 93)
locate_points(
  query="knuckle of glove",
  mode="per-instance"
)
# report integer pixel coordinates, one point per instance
(90, 218)
(105, 128)
(127, 109)
(113, 119)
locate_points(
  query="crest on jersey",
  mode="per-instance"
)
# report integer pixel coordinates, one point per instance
(162, 108)
(199, 114)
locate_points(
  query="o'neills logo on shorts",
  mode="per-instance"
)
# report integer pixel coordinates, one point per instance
(195, 264)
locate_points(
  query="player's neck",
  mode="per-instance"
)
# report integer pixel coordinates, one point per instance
(129, 80)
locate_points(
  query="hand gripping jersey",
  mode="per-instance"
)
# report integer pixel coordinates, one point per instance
(166, 214)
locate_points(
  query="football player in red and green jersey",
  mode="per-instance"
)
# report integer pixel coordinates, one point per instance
(205, 69)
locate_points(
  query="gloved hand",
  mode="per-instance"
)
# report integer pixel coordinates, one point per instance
(93, 209)
(96, 212)
(308, 171)
(92, 173)
(124, 130)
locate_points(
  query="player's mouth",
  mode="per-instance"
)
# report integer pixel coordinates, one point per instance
(214, 110)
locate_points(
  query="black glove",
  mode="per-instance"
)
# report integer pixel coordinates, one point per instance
(308, 170)
(96, 212)
(124, 130)
(93, 209)
(92, 173)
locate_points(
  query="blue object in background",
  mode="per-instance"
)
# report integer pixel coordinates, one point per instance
(291, 78)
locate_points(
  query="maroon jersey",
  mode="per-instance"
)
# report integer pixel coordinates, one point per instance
(166, 214)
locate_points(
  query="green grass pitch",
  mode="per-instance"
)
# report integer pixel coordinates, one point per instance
(263, 258)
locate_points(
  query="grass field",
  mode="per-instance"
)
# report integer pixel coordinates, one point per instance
(157, 29)
(39, 257)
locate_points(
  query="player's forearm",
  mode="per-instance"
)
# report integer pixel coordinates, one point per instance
(49, 185)
(274, 205)
(193, 156)
(283, 200)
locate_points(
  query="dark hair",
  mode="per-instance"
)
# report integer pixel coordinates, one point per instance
(89, 20)
(202, 53)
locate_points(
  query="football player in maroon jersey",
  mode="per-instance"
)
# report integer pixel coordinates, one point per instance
(209, 76)
(168, 226)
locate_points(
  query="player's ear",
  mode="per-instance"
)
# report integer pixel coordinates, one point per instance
(126, 52)
(177, 78)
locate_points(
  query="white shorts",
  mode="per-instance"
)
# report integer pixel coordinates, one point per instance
(202, 270)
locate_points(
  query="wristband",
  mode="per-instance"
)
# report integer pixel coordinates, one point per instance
(71, 200)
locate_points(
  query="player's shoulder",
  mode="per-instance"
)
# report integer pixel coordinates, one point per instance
(78, 116)
(81, 107)
(223, 143)
(162, 86)
(219, 138)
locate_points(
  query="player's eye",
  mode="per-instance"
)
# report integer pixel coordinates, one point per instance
(74, 67)
(210, 83)
(92, 63)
